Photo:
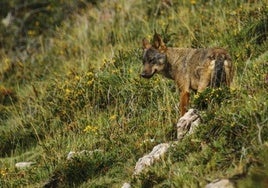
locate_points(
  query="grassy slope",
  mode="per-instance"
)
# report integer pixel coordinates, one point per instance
(82, 91)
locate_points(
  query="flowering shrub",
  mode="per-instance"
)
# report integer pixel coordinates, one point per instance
(211, 96)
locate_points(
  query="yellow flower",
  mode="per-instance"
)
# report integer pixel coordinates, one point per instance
(232, 89)
(196, 96)
(115, 71)
(3, 172)
(192, 2)
(89, 74)
(90, 128)
(67, 91)
(113, 117)
(31, 32)
(89, 83)
(104, 61)
(6, 60)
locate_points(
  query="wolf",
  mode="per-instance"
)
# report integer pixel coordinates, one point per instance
(190, 68)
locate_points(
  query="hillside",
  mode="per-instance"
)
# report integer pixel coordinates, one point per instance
(70, 82)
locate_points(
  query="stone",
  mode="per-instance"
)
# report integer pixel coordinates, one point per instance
(221, 183)
(126, 185)
(21, 165)
(150, 158)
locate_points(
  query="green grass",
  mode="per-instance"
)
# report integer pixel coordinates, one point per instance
(80, 89)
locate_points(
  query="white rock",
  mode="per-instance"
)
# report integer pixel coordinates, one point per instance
(7, 20)
(187, 123)
(72, 154)
(223, 183)
(149, 159)
(126, 185)
(24, 164)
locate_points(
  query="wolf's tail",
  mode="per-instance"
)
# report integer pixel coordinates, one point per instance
(222, 72)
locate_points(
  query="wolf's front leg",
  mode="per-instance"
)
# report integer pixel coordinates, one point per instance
(184, 101)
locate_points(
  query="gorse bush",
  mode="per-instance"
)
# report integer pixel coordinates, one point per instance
(211, 96)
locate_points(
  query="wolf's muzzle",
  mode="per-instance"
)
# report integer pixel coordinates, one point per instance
(144, 75)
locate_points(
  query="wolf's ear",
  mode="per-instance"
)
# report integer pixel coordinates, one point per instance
(158, 42)
(146, 44)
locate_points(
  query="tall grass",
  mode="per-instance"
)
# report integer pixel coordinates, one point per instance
(81, 90)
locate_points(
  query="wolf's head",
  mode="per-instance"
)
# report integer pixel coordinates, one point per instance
(154, 57)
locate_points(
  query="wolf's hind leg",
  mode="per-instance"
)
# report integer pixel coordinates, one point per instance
(205, 78)
(228, 72)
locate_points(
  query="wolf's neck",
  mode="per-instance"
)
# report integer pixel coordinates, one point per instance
(167, 71)
(175, 58)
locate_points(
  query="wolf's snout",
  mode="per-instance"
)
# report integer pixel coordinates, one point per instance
(143, 74)
(146, 75)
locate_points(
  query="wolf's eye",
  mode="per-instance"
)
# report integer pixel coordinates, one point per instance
(152, 60)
